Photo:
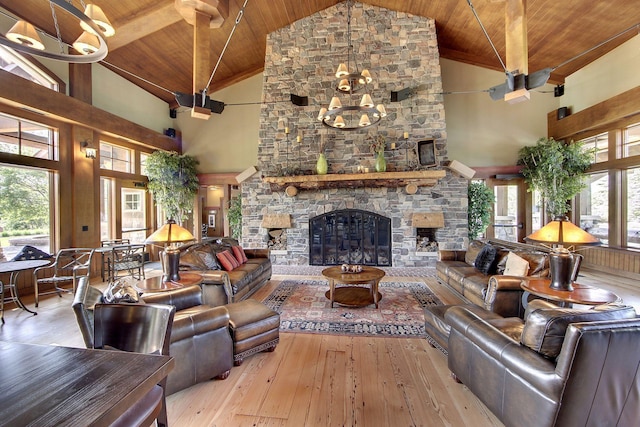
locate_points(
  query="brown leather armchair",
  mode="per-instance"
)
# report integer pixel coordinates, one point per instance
(200, 340)
(570, 368)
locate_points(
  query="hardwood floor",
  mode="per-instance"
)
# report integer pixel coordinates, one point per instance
(311, 380)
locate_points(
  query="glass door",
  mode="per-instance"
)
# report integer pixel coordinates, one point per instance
(508, 211)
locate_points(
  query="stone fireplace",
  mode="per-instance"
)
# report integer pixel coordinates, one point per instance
(350, 236)
(401, 52)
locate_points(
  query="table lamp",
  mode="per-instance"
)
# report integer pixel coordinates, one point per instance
(562, 262)
(171, 235)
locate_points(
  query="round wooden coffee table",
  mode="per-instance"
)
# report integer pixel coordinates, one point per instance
(354, 296)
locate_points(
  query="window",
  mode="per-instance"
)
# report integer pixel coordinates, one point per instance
(631, 141)
(133, 215)
(25, 209)
(17, 64)
(600, 146)
(143, 163)
(132, 201)
(633, 208)
(27, 138)
(115, 158)
(107, 228)
(594, 206)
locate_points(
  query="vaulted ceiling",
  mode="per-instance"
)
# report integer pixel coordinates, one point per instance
(154, 42)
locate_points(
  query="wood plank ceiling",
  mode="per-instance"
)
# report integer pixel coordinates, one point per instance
(153, 42)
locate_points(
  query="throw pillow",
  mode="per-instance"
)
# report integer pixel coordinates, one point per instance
(209, 260)
(516, 265)
(238, 252)
(227, 260)
(484, 260)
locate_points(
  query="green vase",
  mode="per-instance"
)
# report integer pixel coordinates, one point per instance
(381, 163)
(321, 165)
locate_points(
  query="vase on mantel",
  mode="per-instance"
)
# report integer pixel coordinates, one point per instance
(321, 165)
(381, 162)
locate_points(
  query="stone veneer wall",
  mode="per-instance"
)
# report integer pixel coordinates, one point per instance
(401, 52)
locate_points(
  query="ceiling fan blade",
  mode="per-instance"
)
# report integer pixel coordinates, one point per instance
(538, 78)
(497, 92)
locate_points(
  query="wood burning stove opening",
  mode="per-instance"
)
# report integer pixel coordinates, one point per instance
(350, 236)
(426, 240)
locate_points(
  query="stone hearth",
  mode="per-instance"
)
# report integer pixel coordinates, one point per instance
(401, 52)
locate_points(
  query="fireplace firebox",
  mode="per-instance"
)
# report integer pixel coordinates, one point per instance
(350, 236)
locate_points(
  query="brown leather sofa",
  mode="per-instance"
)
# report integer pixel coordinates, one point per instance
(493, 291)
(200, 340)
(221, 287)
(558, 367)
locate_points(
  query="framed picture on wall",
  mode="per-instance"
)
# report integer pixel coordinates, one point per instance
(212, 220)
(427, 152)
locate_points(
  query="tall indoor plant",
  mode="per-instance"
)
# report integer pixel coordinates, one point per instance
(556, 170)
(173, 181)
(234, 214)
(481, 199)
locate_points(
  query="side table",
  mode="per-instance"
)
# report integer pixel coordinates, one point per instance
(156, 284)
(581, 294)
(354, 296)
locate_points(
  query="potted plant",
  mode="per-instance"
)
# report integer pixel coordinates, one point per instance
(378, 146)
(481, 199)
(173, 182)
(234, 215)
(556, 170)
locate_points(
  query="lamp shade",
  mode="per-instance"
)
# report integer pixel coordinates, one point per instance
(24, 33)
(87, 43)
(170, 233)
(99, 18)
(561, 231)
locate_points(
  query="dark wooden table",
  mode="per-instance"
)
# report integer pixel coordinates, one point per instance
(15, 267)
(581, 294)
(156, 284)
(61, 386)
(354, 296)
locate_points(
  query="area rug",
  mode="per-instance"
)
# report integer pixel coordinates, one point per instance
(303, 307)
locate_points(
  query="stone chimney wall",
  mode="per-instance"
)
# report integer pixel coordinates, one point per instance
(400, 51)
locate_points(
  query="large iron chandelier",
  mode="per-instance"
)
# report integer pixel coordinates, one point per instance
(351, 117)
(91, 44)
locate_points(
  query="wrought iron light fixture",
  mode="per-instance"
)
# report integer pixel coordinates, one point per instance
(351, 117)
(91, 44)
(90, 151)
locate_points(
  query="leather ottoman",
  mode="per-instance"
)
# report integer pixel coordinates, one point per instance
(254, 328)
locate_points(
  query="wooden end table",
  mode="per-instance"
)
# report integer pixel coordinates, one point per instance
(354, 296)
(581, 294)
(156, 284)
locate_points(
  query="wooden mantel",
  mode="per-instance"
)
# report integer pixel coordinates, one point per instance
(426, 178)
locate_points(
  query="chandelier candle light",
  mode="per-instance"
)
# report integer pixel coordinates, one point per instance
(91, 44)
(351, 117)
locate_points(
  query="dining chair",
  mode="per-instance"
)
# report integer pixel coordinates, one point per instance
(139, 328)
(69, 265)
(126, 260)
(105, 253)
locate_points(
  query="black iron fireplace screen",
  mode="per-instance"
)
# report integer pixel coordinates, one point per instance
(350, 236)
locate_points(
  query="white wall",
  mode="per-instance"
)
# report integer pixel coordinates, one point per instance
(227, 142)
(118, 96)
(483, 132)
(610, 75)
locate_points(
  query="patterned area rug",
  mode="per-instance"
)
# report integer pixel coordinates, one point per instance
(303, 307)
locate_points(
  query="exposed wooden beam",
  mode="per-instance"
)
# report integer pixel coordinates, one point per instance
(22, 93)
(613, 109)
(144, 23)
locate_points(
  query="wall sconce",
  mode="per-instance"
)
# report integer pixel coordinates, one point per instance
(89, 151)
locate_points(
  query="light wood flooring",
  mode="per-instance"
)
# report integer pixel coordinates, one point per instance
(311, 380)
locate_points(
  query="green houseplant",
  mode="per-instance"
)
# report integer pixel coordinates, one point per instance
(173, 181)
(556, 170)
(234, 214)
(481, 199)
